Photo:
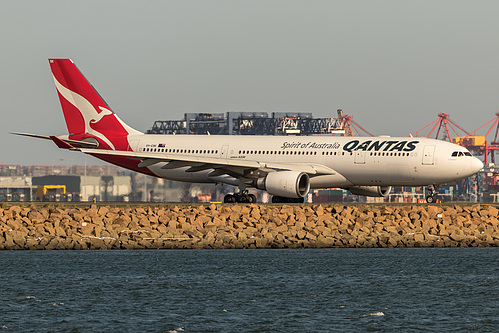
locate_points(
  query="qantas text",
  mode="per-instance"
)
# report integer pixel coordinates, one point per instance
(380, 145)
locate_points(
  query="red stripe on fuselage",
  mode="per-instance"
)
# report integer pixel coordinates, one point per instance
(125, 162)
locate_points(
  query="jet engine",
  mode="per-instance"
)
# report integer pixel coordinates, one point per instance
(288, 184)
(370, 191)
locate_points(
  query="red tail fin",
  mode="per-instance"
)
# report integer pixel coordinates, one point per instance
(87, 114)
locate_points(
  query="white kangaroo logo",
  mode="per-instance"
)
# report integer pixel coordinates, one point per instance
(88, 112)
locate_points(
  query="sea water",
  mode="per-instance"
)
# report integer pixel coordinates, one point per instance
(310, 290)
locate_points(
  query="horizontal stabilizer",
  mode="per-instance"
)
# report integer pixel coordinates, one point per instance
(60, 143)
(38, 136)
(71, 143)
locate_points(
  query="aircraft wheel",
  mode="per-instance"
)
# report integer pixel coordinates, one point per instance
(243, 198)
(229, 198)
(277, 199)
(430, 199)
(252, 198)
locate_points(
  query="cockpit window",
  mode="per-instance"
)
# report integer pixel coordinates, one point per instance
(460, 153)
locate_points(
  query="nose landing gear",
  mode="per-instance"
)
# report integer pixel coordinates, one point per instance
(430, 198)
(277, 199)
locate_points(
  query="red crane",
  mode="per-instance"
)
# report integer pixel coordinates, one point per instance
(444, 123)
(482, 146)
(351, 127)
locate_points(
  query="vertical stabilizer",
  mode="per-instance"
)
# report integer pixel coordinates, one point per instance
(86, 113)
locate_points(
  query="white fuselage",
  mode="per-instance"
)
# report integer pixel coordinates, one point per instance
(357, 161)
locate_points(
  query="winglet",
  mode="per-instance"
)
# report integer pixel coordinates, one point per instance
(60, 143)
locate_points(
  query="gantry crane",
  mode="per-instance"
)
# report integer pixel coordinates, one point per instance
(444, 123)
(351, 127)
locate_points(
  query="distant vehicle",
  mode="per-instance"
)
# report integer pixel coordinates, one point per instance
(50, 192)
(286, 167)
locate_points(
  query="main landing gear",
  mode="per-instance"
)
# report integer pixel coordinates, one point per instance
(277, 199)
(430, 198)
(240, 197)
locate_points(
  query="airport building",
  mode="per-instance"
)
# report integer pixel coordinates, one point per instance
(65, 188)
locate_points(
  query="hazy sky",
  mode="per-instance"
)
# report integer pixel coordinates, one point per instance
(392, 65)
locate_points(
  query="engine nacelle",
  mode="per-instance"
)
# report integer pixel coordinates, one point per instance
(288, 184)
(370, 191)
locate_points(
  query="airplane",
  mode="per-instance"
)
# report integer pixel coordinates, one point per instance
(287, 167)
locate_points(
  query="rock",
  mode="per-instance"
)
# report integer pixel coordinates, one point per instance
(247, 226)
(35, 216)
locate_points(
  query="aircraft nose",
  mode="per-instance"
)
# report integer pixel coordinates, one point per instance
(476, 165)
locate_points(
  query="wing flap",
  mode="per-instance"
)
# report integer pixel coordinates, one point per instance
(149, 161)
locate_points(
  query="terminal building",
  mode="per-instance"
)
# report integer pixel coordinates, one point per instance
(65, 188)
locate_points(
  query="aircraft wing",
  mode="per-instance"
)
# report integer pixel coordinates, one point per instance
(233, 167)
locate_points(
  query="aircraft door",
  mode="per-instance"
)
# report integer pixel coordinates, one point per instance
(429, 155)
(224, 151)
(360, 157)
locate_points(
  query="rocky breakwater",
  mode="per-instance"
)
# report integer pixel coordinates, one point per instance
(52, 227)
